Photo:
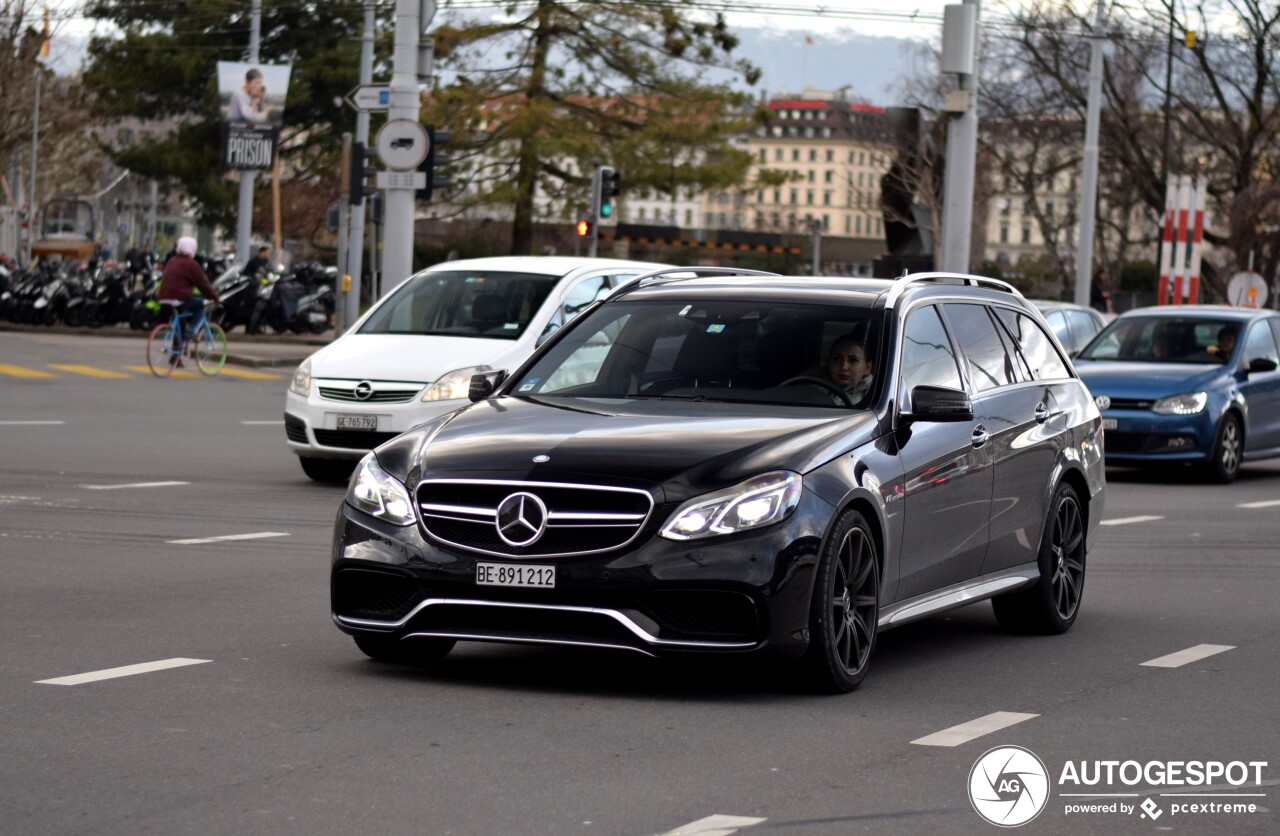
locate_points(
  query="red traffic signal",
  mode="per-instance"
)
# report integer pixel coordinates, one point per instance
(583, 228)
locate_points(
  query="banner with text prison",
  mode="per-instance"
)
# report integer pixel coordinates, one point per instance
(252, 100)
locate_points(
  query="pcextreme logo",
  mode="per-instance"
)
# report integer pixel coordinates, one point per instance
(1008, 786)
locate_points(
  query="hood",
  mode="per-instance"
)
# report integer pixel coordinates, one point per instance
(1144, 381)
(687, 448)
(406, 357)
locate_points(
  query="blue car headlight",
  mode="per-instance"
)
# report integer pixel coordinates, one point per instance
(756, 502)
(1187, 404)
(376, 492)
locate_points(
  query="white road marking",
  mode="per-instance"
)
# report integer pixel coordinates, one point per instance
(1270, 503)
(974, 729)
(133, 485)
(1127, 520)
(717, 825)
(1186, 657)
(202, 540)
(264, 423)
(127, 670)
(31, 423)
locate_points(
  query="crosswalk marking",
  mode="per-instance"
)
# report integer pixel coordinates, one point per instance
(177, 372)
(1186, 657)
(127, 670)
(714, 826)
(90, 371)
(248, 375)
(134, 485)
(20, 371)
(1127, 520)
(1266, 503)
(31, 423)
(974, 729)
(199, 541)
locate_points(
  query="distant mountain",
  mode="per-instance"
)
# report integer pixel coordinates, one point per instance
(873, 67)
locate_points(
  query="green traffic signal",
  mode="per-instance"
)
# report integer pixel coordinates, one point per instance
(606, 210)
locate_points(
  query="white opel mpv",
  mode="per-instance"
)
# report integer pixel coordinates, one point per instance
(412, 355)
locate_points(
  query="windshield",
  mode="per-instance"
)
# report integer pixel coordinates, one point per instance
(718, 350)
(478, 303)
(1165, 339)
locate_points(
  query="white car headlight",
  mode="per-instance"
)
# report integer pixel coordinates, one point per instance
(301, 383)
(1188, 404)
(376, 492)
(453, 386)
(756, 502)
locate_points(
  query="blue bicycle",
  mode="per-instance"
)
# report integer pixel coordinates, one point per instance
(204, 341)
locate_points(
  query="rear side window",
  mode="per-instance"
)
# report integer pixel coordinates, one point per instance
(1084, 327)
(927, 357)
(989, 365)
(1036, 347)
(1261, 344)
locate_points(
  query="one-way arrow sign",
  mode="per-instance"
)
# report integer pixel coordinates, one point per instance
(370, 97)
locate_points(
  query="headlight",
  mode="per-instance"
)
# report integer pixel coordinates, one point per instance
(756, 502)
(1188, 404)
(452, 386)
(301, 383)
(375, 492)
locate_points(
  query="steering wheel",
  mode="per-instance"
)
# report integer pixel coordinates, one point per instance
(823, 383)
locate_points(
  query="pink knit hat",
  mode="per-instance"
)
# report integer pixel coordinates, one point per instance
(186, 245)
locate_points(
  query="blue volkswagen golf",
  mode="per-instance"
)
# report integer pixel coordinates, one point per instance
(1196, 385)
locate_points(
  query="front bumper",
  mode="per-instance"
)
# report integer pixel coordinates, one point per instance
(744, 593)
(1141, 436)
(311, 423)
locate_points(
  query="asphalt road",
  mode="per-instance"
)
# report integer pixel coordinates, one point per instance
(271, 721)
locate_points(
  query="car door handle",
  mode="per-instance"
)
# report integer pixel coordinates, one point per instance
(980, 435)
(1042, 413)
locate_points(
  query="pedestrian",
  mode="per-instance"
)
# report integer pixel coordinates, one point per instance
(259, 264)
(1100, 292)
(183, 276)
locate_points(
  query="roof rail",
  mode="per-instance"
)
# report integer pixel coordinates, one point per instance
(675, 274)
(901, 284)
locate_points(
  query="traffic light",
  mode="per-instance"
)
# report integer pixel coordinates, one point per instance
(610, 186)
(358, 173)
(1190, 39)
(583, 227)
(436, 163)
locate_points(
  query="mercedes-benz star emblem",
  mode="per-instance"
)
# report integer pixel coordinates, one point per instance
(363, 390)
(522, 518)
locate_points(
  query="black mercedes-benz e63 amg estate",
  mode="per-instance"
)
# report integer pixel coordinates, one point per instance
(721, 461)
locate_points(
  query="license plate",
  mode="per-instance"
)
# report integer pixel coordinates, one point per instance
(507, 574)
(1110, 423)
(358, 422)
(316, 317)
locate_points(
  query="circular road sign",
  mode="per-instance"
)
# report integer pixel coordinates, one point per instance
(1247, 290)
(402, 144)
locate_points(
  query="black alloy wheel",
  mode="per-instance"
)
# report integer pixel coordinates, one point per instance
(845, 607)
(1052, 603)
(1224, 465)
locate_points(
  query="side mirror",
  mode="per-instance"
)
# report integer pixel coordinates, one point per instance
(1262, 364)
(939, 403)
(485, 384)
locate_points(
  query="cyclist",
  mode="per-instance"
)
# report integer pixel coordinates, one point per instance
(182, 277)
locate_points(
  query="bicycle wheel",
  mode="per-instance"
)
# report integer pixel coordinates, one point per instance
(161, 357)
(210, 348)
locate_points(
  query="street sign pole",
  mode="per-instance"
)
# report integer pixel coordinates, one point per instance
(355, 254)
(244, 221)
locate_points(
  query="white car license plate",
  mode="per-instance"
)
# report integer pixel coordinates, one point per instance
(506, 574)
(1110, 423)
(358, 422)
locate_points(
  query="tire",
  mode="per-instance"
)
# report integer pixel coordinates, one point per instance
(327, 470)
(844, 608)
(1051, 605)
(210, 349)
(396, 652)
(161, 358)
(1228, 445)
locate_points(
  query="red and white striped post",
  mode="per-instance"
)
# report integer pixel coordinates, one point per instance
(1181, 241)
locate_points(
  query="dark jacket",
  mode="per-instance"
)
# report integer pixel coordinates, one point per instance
(182, 275)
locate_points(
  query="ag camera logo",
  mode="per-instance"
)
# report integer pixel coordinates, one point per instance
(1008, 786)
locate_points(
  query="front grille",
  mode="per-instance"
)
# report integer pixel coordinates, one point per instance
(698, 614)
(581, 519)
(377, 596)
(1139, 443)
(351, 439)
(295, 429)
(379, 394)
(515, 623)
(1131, 403)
